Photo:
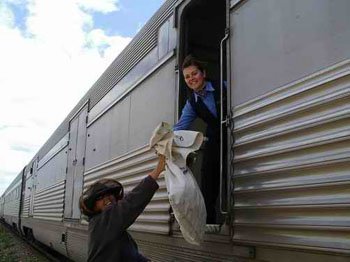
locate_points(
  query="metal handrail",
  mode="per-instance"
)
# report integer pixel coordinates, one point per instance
(222, 121)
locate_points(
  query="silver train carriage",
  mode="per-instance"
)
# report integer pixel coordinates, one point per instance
(10, 202)
(285, 195)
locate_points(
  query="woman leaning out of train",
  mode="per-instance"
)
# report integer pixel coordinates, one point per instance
(110, 213)
(204, 103)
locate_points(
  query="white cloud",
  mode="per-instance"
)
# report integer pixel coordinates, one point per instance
(5, 179)
(103, 6)
(7, 17)
(46, 70)
(98, 40)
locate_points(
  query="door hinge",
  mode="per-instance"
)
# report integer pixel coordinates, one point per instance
(83, 161)
(228, 119)
(86, 119)
(66, 170)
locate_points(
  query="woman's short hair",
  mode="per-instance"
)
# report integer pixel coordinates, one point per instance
(190, 60)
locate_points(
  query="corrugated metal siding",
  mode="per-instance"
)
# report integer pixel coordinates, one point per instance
(129, 170)
(175, 248)
(25, 209)
(48, 203)
(12, 198)
(163, 253)
(139, 47)
(11, 208)
(291, 164)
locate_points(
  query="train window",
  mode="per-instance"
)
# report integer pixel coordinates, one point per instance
(202, 29)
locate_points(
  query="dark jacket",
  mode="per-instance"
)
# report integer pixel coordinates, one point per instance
(108, 238)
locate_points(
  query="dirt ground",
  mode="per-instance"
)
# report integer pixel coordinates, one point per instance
(14, 249)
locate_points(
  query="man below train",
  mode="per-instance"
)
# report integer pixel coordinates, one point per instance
(204, 103)
(110, 213)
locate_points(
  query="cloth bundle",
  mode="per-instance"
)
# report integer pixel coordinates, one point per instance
(184, 194)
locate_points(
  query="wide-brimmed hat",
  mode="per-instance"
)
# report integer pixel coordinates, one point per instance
(97, 191)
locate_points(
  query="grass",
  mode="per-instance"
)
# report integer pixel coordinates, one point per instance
(7, 251)
(12, 249)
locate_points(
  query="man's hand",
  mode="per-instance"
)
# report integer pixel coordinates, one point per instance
(159, 169)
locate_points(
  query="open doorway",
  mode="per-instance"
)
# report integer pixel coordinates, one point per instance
(203, 25)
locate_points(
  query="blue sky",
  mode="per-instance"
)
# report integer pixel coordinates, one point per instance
(131, 16)
(49, 49)
(128, 17)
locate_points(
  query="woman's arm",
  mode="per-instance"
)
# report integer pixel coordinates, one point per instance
(188, 115)
(133, 204)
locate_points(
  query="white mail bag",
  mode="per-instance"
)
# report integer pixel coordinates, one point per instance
(184, 194)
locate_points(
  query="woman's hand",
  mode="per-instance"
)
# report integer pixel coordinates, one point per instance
(160, 167)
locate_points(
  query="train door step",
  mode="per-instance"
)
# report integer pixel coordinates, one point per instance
(212, 228)
(217, 229)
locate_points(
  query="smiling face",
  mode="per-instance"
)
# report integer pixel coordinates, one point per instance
(103, 202)
(194, 78)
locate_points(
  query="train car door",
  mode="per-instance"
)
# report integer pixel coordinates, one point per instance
(202, 26)
(76, 162)
(32, 186)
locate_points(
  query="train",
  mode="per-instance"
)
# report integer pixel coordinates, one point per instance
(285, 145)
